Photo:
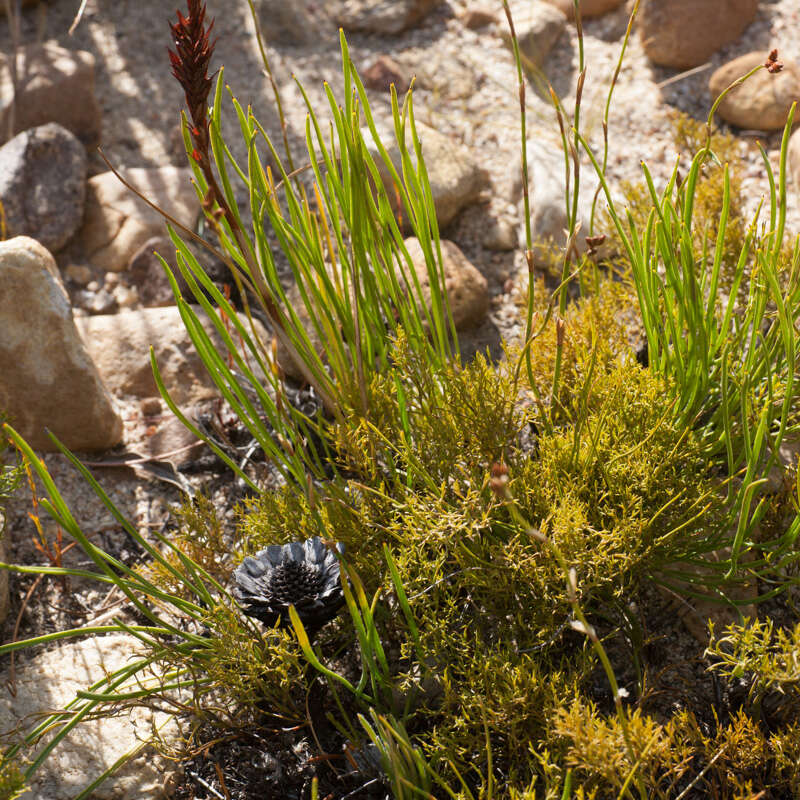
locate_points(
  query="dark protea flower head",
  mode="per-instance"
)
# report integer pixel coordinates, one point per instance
(300, 574)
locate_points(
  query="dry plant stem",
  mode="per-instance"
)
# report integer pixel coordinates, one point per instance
(525, 199)
(275, 90)
(78, 17)
(607, 112)
(570, 153)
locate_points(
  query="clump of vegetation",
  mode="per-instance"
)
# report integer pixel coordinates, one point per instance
(690, 136)
(491, 525)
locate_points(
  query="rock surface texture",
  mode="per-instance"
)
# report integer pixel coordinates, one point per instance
(94, 746)
(455, 177)
(763, 101)
(296, 22)
(120, 345)
(381, 16)
(547, 188)
(53, 85)
(539, 26)
(685, 33)
(117, 223)
(793, 158)
(43, 184)
(47, 378)
(467, 289)
(589, 8)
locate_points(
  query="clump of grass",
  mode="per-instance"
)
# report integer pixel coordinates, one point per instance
(689, 137)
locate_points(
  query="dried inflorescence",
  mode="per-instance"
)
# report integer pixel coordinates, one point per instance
(301, 574)
(772, 64)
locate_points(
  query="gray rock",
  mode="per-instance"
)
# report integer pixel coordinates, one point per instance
(685, 33)
(47, 378)
(117, 223)
(384, 17)
(456, 179)
(763, 101)
(538, 26)
(120, 345)
(49, 680)
(43, 184)
(54, 85)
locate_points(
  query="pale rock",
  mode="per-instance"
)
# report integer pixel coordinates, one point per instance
(384, 17)
(467, 289)
(125, 296)
(120, 345)
(54, 85)
(449, 75)
(295, 22)
(117, 222)
(43, 184)
(763, 101)
(455, 177)
(548, 209)
(47, 377)
(476, 17)
(538, 26)
(49, 680)
(97, 301)
(589, 8)
(79, 274)
(500, 235)
(793, 157)
(685, 33)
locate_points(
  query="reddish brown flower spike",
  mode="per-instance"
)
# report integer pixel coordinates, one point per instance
(190, 60)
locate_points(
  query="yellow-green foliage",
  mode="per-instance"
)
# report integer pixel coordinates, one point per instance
(255, 671)
(596, 748)
(737, 760)
(616, 486)
(12, 783)
(199, 537)
(496, 668)
(770, 658)
(597, 328)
